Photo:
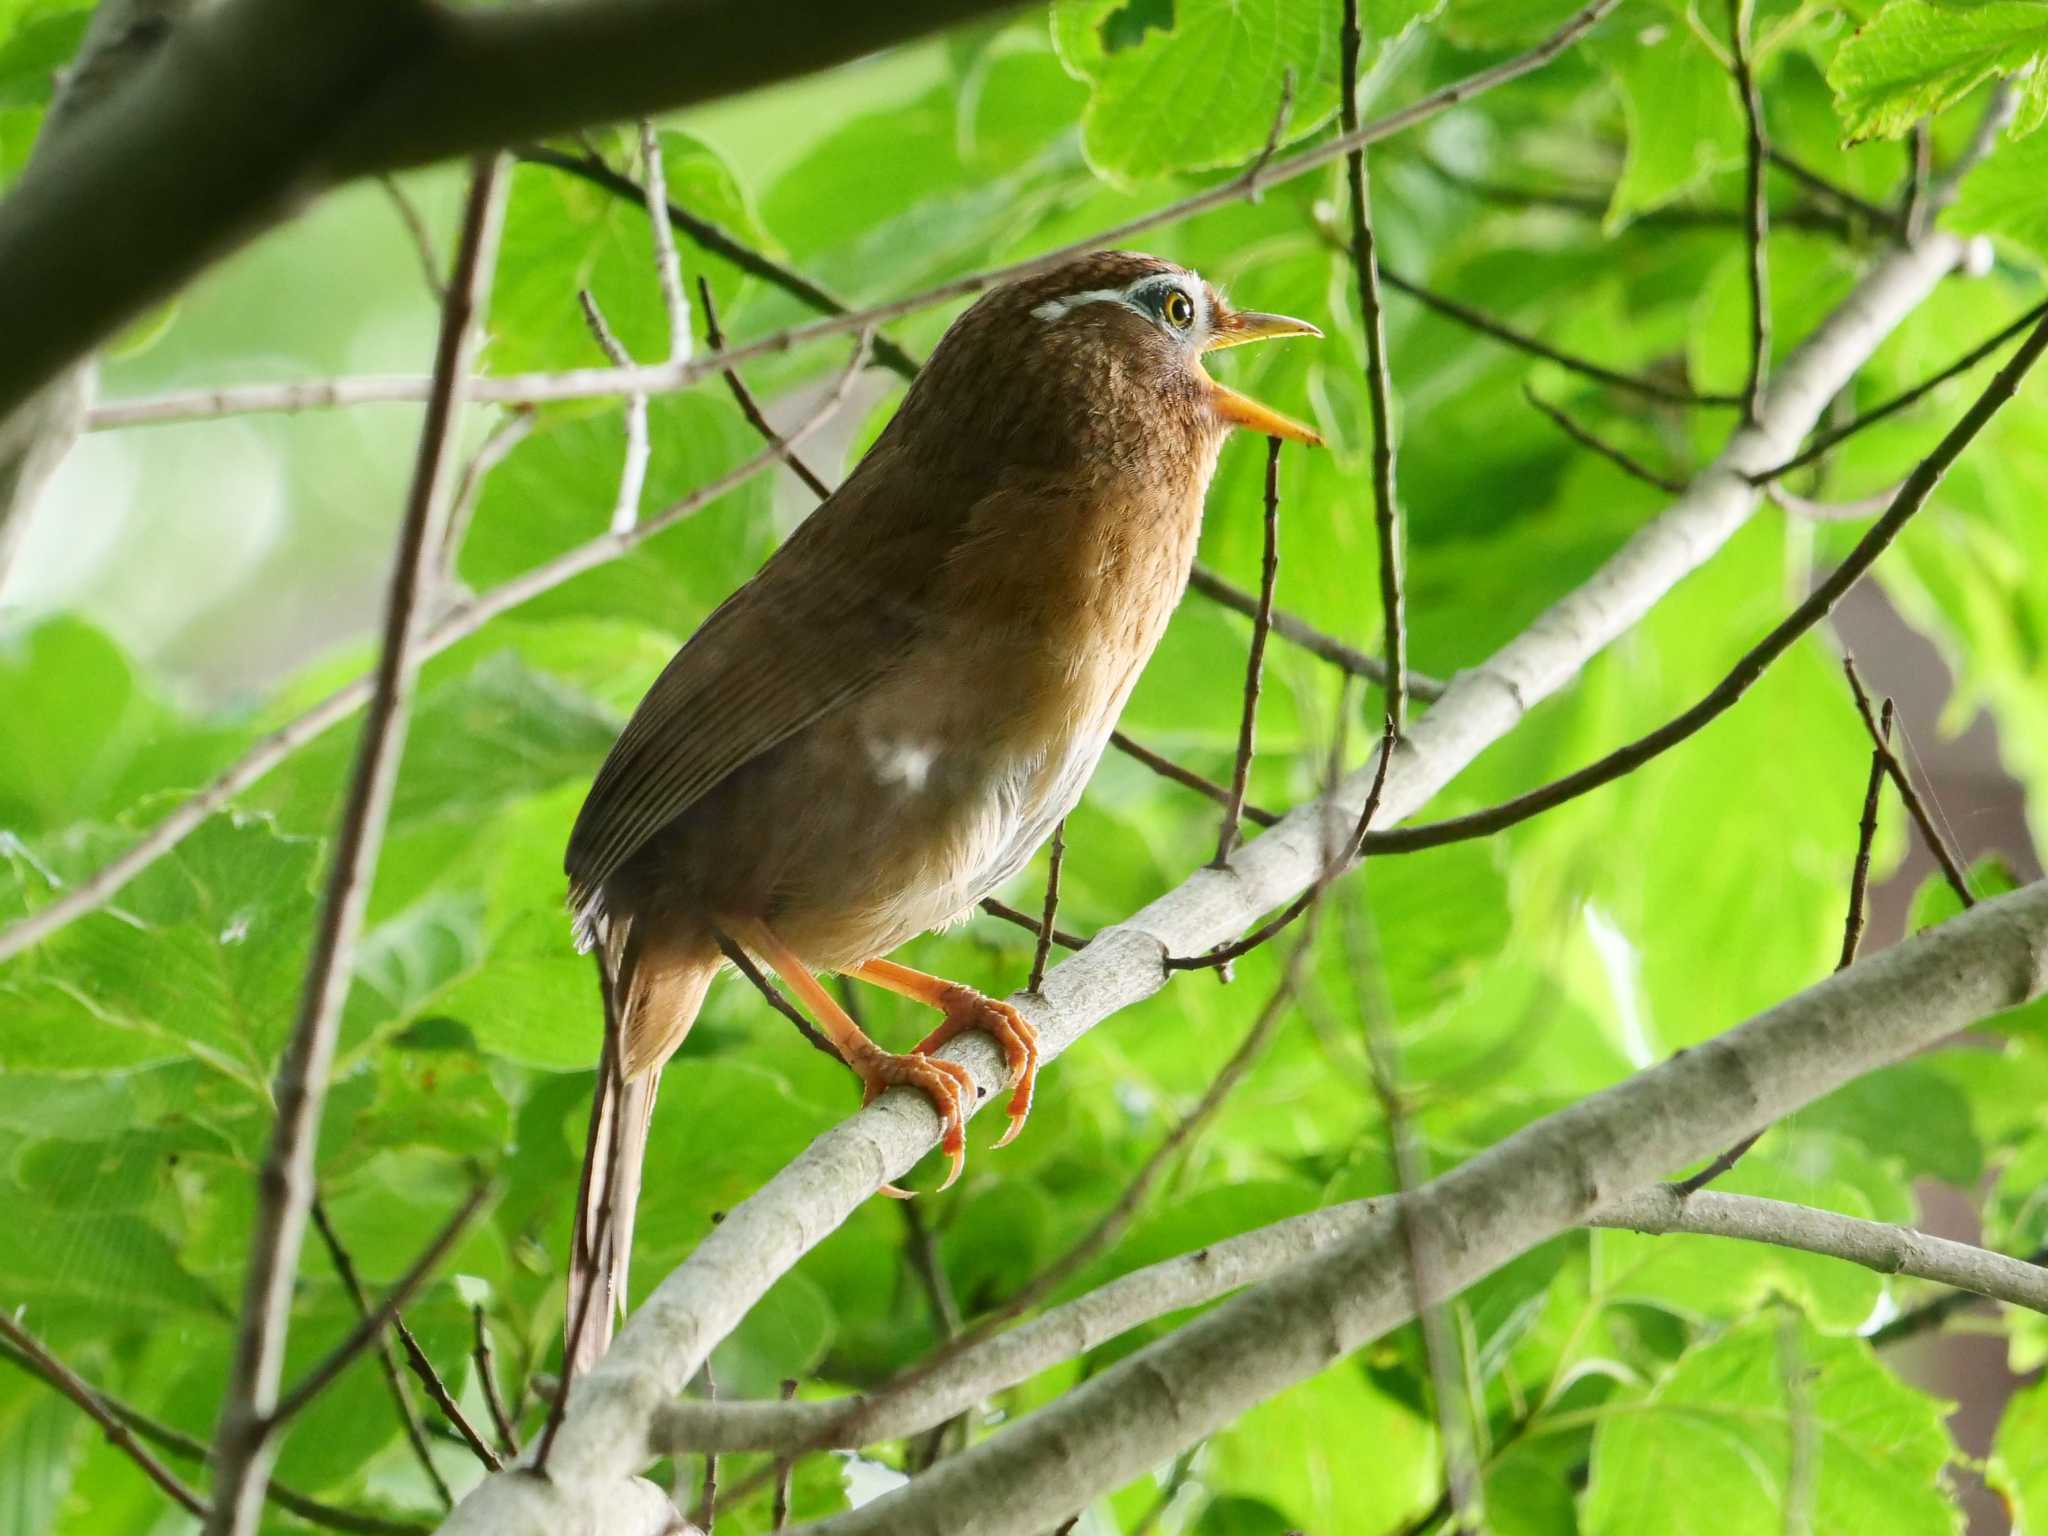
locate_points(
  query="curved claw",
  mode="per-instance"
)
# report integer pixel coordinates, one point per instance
(967, 1009)
(943, 1082)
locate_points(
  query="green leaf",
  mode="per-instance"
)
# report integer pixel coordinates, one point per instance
(1737, 1410)
(1684, 118)
(2019, 1457)
(1199, 95)
(2007, 194)
(1936, 901)
(1916, 59)
(33, 54)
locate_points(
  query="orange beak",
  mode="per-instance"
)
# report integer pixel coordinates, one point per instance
(1234, 328)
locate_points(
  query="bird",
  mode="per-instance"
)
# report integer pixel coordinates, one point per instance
(887, 720)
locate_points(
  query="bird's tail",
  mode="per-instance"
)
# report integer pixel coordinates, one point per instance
(651, 997)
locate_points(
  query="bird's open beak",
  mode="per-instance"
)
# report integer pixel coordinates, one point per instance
(1234, 329)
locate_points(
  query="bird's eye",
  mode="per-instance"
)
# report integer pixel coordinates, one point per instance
(1178, 309)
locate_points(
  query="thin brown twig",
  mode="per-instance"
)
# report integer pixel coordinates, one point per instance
(786, 1476)
(1253, 191)
(327, 1516)
(415, 227)
(370, 1327)
(582, 384)
(1915, 803)
(1185, 776)
(387, 1359)
(1757, 231)
(744, 397)
(1919, 485)
(1522, 341)
(1586, 438)
(1287, 626)
(73, 1386)
(252, 1407)
(487, 1379)
(744, 964)
(1852, 937)
(1824, 441)
(1069, 941)
(1042, 951)
(1378, 387)
(513, 429)
(458, 623)
(709, 237)
(1224, 954)
(1851, 203)
(1919, 174)
(1596, 205)
(1255, 663)
(707, 1499)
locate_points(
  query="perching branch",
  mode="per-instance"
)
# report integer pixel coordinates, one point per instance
(244, 1441)
(1489, 1210)
(666, 1340)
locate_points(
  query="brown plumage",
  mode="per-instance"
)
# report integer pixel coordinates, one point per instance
(885, 723)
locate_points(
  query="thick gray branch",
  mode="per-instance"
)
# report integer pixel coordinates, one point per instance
(1069, 1331)
(604, 1439)
(1481, 1215)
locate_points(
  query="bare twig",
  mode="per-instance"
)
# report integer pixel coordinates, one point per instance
(1596, 205)
(1824, 441)
(1183, 775)
(1855, 205)
(1831, 511)
(370, 1327)
(512, 430)
(1866, 835)
(285, 1191)
(1915, 803)
(1274, 134)
(668, 270)
(1933, 1314)
(1334, 865)
(661, 378)
(1378, 387)
(609, 1066)
(708, 236)
(1346, 658)
(744, 964)
(1852, 937)
(487, 1379)
(73, 1386)
(330, 1517)
(1758, 209)
(1623, 760)
(1255, 663)
(1521, 341)
(1919, 174)
(639, 448)
(707, 1500)
(1009, 914)
(1043, 949)
(387, 1359)
(416, 231)
(779, 1516)
(744, 397)
(1586, 438)
(460, 622)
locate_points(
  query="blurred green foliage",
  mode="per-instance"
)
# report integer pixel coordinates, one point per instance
(1602, 1372)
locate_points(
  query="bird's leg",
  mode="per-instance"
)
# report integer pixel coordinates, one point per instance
(966, 1008)
(943, 1082)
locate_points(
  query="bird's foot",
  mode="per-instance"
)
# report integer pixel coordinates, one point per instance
(943, 1082)
(968, 1009)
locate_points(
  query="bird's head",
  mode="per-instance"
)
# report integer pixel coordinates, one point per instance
(1101, 359)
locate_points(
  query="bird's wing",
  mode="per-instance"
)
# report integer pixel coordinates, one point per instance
(830, 613)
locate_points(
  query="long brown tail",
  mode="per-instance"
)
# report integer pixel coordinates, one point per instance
(651, 997)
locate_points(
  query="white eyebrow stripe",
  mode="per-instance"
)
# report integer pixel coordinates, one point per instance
(1055, 309)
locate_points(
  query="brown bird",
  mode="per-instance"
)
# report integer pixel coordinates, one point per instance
(884, 723)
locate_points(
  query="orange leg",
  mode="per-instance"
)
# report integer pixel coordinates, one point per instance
(946, 1083)
(964, 1009)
